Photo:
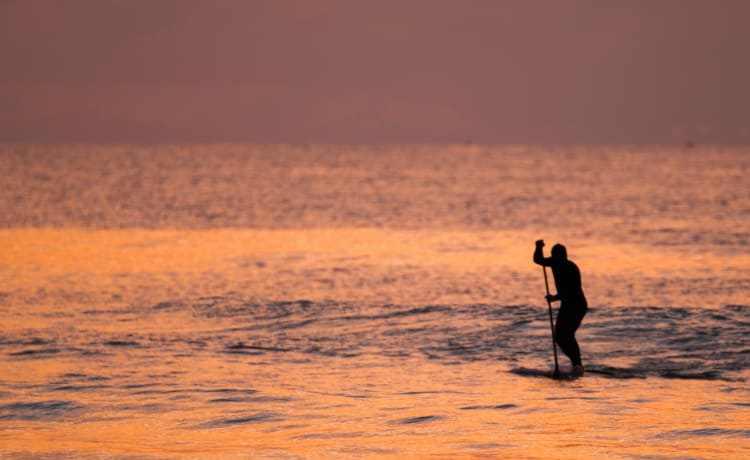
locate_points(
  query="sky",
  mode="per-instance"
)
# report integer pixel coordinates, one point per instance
(375, 71)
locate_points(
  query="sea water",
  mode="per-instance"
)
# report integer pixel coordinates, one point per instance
(245, 301)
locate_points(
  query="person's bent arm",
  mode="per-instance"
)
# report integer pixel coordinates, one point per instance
(539, 255)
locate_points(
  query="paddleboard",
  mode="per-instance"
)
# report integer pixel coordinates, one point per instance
(599, 371)
(545, 373)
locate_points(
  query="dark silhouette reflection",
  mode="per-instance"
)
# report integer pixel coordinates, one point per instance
(573, 305)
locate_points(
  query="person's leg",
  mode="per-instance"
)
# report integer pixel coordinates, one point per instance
(568, 321)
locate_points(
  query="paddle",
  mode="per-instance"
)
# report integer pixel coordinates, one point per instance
(551, 324)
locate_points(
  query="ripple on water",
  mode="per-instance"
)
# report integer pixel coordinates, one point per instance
(40, 410)
(707, 432)
(35, 353)
(260, 417)
(496, 407)
(420, 419)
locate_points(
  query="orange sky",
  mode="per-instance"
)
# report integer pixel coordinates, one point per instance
(343, 71)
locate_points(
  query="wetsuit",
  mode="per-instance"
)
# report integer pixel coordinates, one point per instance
(573, 305)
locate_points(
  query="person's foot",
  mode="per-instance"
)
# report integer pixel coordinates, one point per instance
(577, 370)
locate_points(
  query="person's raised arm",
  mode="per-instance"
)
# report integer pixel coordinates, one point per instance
(539, 255)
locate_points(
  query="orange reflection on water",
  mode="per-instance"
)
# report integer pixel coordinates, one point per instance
(401, 409)
(403, 266)
(161, 404)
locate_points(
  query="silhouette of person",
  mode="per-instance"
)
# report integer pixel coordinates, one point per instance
(573, 305)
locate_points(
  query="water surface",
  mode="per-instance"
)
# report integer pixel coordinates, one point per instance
(337, 302)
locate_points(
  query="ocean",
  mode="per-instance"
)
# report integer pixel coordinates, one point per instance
(329, 301)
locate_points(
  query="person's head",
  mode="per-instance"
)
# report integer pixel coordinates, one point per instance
(559, 252)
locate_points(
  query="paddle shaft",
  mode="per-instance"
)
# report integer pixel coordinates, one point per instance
(551, 323)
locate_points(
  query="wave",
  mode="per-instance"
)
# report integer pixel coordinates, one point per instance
(652, 341)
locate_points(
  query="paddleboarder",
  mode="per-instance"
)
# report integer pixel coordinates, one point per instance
(573, 305)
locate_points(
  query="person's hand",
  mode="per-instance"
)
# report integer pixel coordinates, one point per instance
(540, 243)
